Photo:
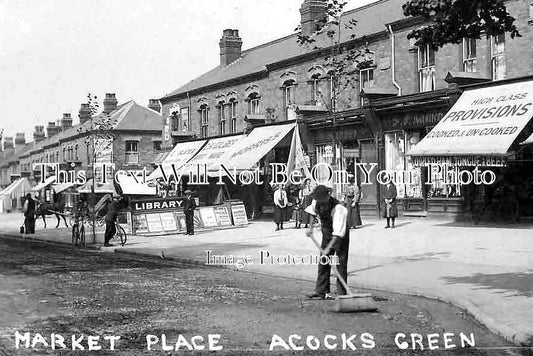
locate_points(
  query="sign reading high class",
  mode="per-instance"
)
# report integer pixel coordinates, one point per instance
(483, 121)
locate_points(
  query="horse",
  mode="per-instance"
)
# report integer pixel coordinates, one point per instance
(45, 208)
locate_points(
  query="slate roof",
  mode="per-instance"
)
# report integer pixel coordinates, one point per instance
(371, 19)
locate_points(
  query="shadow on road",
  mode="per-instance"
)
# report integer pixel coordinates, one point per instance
(520, 284)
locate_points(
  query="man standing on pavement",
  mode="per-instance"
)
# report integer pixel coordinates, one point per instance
(29, 215)
(335, 239)
(188, 208)
(111, 220)
(280, 204)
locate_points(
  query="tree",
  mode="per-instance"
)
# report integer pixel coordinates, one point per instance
(449, 21)
(99, 139)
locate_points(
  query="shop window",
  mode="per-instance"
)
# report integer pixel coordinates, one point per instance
(497, 54)
(426, 68)
(132, 152)
(204, 121)
(469, 55)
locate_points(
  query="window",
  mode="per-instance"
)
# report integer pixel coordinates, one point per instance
(316, 98)
(132, 152)
(76, 152)
(366, 79)
(64, 154)
(232, 108)
(497, 53)
(185, 119)
(288, 94)
(426, 68)
(253, 104)
(157, 145)
(469, 55)
(331, 91)
(222, 118)
(204, 120)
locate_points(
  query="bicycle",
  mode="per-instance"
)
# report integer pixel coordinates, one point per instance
(120, 235)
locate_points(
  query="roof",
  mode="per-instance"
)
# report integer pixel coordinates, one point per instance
(371, 19)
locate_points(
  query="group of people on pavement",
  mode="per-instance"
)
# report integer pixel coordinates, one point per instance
(294, 205)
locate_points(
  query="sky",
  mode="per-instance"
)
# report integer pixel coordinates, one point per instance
(54, 52)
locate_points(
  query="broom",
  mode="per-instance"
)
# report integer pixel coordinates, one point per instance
(351, 302)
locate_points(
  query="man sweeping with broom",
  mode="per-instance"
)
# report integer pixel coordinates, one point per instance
(335, 239)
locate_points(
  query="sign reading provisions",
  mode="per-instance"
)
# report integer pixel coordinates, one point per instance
(483, 121)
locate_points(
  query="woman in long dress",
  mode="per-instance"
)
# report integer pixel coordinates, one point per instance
(391, 209)
(306, 199)
(352, 198)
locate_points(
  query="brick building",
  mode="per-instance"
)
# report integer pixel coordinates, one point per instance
(135, 132)
(403, 91)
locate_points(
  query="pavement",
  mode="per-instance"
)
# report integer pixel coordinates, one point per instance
(485, 269)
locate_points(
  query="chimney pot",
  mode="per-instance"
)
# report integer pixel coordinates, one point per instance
(38, 134)
(230, 47)
(154, 105)
(52, 129)
(110, 103)
(20, 139)
(8, 143)
(313, 13)
(66, 121)
(85, 113)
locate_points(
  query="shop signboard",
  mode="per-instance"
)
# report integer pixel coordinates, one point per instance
(140, 224)
(154, 222)
(483, 121)
(238, 212)
(207, 216)
(222, 215)
(168, 222)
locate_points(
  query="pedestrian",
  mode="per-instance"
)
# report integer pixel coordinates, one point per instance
(352, 197)
(280, 204)
(335, 239)
(29, 215)
(189, 205)
(389, 197)
(306, 201)
(110, 220)
(297, 212)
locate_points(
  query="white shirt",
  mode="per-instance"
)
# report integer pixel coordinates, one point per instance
(280, 195)
(339, 216)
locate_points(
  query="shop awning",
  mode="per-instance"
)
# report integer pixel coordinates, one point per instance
(20, 186)
(211, 154)
(483, 122)
(131, 186)
(179, 156)
(44, 184)
(98, 187)
(61, 187)
(528, 141)
(245, 153)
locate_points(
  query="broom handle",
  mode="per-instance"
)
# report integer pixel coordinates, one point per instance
(343, 282)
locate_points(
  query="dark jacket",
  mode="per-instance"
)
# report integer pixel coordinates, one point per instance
(390, 193)
(189, 205)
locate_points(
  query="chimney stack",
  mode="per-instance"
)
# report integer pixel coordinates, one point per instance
(52, 129)
(154, 105)
(313, 14)
(230, 47)
(8, 143)
(85, 113)
(38, 134)
(110, 103)
(20, 139)
(66, 121)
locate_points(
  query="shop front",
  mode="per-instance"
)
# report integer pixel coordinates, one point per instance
(474, 152)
